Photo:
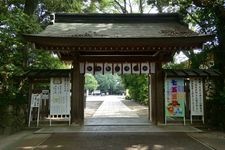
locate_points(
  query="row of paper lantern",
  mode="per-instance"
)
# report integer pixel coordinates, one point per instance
(117, 68)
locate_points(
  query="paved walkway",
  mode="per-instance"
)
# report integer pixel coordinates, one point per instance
(112, 141)
(113, 107)
(113, 111)
(115, 137)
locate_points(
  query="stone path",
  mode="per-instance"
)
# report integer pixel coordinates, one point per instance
(113, 107)
(113, 111)
(115, 126)
(110, 141)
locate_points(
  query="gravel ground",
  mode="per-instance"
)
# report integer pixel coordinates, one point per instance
(141, 110)
(91, 107)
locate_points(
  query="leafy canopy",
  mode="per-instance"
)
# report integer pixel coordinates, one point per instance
(90, 82)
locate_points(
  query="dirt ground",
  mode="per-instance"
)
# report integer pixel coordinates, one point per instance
(141, 110)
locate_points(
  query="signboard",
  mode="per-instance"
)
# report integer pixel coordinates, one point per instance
(60, 96)
(35, 103)
(44, 97)
(196, 97)
(45, 94)
(174, 98)
(35, 100)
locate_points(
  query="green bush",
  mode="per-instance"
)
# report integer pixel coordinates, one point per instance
(215, 111)
(137, 86)
(13, 111)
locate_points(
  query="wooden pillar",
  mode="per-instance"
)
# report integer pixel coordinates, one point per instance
(187, 91)
(149, 99)
(204, 102)
(31, 87)
(157, 95)
(81, 96)
(77, 101)
(160, 94)
(153, 99)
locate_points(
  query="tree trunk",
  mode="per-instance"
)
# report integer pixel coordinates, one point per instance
(141, 6)
(220, 51)
(30, 6)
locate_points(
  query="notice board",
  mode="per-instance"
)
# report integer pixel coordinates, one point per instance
(60, 96)
(196, 97)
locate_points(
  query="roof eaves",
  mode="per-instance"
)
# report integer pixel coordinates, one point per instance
(212, 73)
(129, 18)
(47, 73)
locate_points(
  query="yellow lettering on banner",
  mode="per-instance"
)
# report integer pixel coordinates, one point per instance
(181, 96)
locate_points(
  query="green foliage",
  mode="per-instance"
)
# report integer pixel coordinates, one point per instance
(13, 104)
(63, 6)
(171, 65)
(216, 111)
(76, 6)
(16, 57)
(109, 83)
(14, 52)
(90, 82)
(40, 59)
(137, 86)
(208, 17)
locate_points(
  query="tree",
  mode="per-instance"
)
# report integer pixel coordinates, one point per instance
(17, 57)
(13, 63)
(13, 58)
(90, 82)
(109, 83)
(137, 86)
(30, 6)
(131, 6)
(216, 12)
(161, 5)
(206, 17)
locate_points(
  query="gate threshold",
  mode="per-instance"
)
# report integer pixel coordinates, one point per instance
(117, 121)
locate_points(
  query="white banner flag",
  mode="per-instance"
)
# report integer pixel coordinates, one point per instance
(196, 96)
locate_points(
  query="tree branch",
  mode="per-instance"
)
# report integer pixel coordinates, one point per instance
(121, 7)
(125, 5)
(131, 9)
(204, 3)
(198, 22)
(141, 6)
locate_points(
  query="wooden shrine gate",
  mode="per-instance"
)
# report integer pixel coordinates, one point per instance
(125, 41)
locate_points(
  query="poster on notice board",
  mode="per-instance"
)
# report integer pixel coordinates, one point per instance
(174, 97)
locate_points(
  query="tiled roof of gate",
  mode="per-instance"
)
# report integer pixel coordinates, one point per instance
(117, 30)
(117, 26)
